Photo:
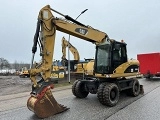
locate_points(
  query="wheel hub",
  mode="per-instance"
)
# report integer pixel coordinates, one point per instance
(113, 94)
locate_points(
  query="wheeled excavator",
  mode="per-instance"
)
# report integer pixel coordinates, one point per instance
(111, 67)
(84, 69)
(78, 69)
(73, 50)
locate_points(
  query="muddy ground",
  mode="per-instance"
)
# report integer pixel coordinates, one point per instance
(14, 84)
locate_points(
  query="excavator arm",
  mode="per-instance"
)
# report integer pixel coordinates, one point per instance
(73, 50)
(42, 102)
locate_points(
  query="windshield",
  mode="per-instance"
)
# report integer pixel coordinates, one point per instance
(102, 60)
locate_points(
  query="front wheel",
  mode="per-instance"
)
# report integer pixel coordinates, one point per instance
(111, 94)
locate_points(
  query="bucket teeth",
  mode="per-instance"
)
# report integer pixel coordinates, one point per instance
(46, 106)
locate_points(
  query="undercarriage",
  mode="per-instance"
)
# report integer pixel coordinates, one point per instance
(107, 90)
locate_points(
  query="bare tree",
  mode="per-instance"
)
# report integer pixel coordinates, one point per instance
(4, 64)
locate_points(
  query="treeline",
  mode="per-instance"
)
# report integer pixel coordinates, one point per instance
(4, 64)
(18, 65)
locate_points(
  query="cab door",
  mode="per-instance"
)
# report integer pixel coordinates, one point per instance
(119, 54)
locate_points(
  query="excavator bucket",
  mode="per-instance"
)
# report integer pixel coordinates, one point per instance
(45, 105)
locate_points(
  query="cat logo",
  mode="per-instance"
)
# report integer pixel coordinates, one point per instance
(81, 31)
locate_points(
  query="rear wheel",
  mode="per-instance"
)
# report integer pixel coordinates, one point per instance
(111, 94)
(135, 90)
(80, 91)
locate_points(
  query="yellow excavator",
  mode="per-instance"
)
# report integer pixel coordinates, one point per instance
(58, 71)
(113, 72)
(73, 50)
(78, 68)
(24, 72)
(89, 68)
(84, 68)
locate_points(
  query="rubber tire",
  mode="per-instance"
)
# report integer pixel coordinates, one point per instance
(132, 91)
(107, 94)
(80, 91)
(100, 93)
(74, 87)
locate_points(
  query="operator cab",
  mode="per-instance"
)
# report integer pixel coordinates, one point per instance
(109, 56)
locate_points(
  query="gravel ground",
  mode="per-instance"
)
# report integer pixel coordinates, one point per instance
(14, 84)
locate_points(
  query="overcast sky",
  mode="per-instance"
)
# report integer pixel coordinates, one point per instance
(137, 22)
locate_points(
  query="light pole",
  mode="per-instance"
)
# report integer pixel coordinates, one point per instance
(69, 77)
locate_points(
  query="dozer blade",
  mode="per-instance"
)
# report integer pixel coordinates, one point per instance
(45, 105)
